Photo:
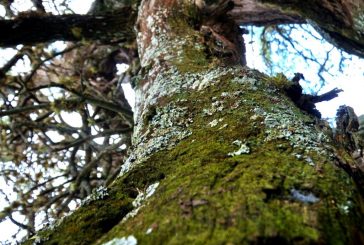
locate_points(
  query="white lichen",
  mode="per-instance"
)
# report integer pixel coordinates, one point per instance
(140, 200)
(150, 229)
(143, 195)
(237, 142)
(309, 161)
(170, 123)
(213, 123)
(130, 240)
(216, 106)
(223, 126)
(162, 128)
(345, 207)
(284, 124)
(244, 149)
(97, 194)
(37, 240)
(131, 214)
(303, 197)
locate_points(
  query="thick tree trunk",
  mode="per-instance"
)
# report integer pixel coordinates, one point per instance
(221, 154)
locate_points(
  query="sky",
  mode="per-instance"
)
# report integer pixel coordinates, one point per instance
(351, 80)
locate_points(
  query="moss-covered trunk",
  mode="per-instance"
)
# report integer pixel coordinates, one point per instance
(221, 155)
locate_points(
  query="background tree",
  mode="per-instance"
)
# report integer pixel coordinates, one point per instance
(51, 117)
(281, 184)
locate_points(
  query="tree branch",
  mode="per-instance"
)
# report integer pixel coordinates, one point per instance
(11, 63)
(251, 12)
(334, 19)
(326, 96)
(24, 109)
(60, 104)
(92, 137)
(89, 99)
(35, 28)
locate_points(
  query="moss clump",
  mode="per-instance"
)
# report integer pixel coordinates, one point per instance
(208, 197)
(280, 81)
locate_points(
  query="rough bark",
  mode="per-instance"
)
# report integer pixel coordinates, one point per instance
(221, 154)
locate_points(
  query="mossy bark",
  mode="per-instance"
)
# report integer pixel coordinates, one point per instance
(221, 155)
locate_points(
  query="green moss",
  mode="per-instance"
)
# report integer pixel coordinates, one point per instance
(192, 52)
(89, 222)
(98, 217)
(206, 196)
(193, 59)
(280, 81)
(218, 199)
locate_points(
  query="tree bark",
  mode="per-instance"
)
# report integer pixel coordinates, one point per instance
(221, 155)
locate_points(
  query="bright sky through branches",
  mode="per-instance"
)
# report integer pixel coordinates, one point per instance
(350, 79)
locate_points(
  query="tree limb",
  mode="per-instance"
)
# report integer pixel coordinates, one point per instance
(336, 20)
(94, 101)
(92, 137)
(252, 12)
(326, 96)
(34, 28)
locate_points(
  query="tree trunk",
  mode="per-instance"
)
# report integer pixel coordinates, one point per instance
(221, 155)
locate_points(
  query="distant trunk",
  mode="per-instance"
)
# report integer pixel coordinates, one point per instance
(221, 155)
